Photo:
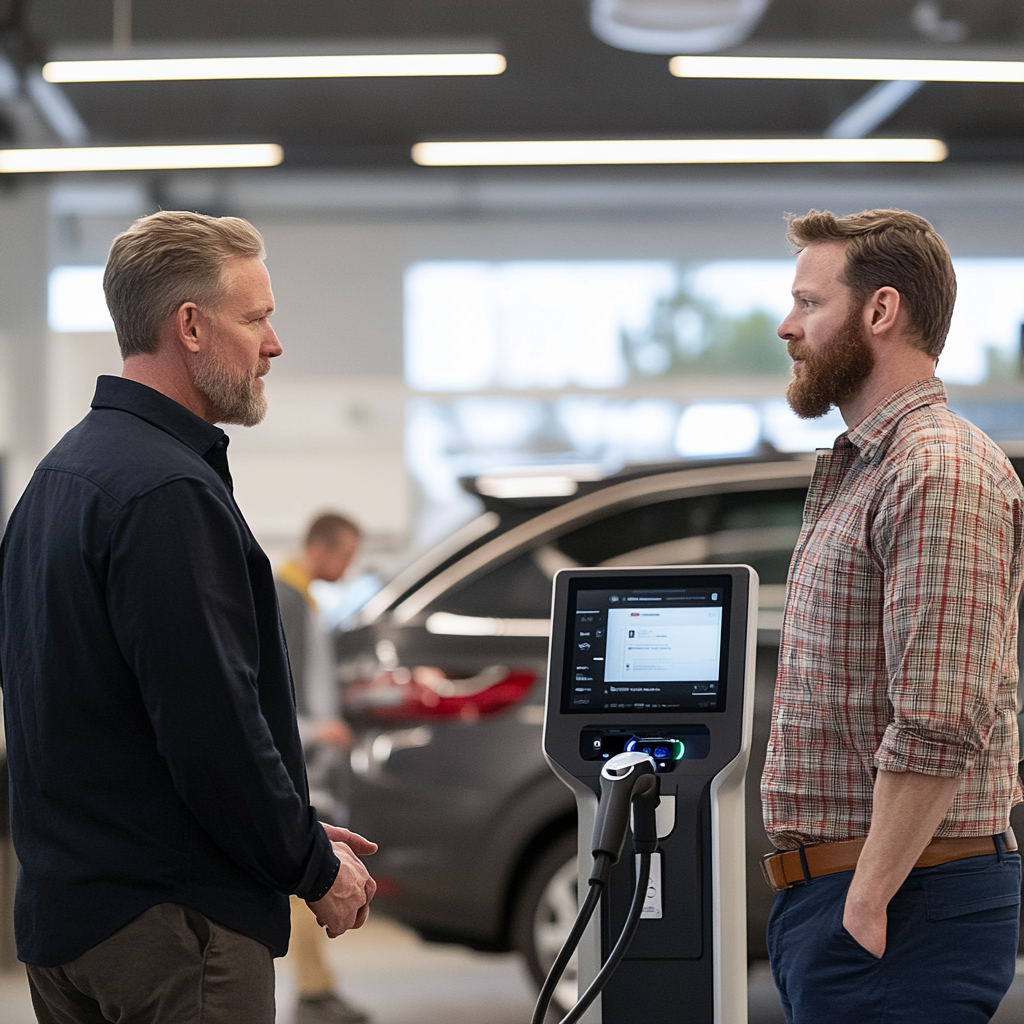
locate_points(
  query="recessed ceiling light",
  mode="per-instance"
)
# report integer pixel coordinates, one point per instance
(657, 26)
(354, 65)
(137, 158)
(679, 151)
(851, 68)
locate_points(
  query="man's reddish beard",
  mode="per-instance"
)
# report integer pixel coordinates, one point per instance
(833, 374)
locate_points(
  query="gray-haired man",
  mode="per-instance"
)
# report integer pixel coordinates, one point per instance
(159, 799)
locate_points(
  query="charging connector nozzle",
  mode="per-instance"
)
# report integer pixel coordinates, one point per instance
(620, 777)
(644, 824)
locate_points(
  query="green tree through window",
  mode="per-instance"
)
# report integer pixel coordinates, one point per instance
(687, 335)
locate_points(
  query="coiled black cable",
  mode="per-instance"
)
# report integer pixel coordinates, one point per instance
(643, 876)
(598, 879)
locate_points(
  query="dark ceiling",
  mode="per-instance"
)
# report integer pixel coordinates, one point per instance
(561, 80)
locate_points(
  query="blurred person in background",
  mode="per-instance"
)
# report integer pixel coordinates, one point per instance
(160, 807)
(331, 543)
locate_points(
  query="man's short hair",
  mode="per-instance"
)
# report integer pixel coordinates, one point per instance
(167, 259)
(895, 249)
(329, 528)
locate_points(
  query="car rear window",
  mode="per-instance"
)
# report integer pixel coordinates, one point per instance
(519, 589)
(757, 528)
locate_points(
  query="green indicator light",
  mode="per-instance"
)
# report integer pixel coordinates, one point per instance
(679, 748)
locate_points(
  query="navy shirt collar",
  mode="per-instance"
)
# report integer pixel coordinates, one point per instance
(205, 439)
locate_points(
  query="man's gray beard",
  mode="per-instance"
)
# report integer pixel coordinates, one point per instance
(235, 397)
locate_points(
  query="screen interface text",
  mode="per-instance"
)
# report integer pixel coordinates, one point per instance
(646, 650)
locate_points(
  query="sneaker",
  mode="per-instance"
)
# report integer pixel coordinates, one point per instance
(328, 1009)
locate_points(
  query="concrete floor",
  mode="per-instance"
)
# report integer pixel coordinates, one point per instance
(401, 980)
(388, 970)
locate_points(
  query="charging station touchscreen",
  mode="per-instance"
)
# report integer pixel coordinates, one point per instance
(663, 645)
(646, 649)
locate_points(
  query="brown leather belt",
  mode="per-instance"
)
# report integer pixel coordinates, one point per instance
(787, 868)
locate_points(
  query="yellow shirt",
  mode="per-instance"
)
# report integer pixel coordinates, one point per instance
(295, 576)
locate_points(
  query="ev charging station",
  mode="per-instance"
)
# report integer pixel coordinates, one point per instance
(651, 673)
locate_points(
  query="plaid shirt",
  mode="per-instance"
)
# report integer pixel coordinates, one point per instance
(899, 642)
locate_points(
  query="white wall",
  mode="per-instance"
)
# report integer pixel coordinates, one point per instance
(328, 442)
(75, 361)
(24, 229)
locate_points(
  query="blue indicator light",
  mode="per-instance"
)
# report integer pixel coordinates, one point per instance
(631, 745)
(661, 752)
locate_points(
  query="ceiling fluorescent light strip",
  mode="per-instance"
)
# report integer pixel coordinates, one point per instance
(678, 151)
(136, 158)
(849, 68)
(362, 65)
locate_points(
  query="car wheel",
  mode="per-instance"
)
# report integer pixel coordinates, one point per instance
(545, 909)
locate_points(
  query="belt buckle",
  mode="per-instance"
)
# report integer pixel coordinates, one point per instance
(768, 864)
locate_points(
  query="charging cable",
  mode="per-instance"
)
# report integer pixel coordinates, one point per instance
(628, 783)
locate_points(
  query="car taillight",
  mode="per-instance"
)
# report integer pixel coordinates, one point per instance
(427, 693)
(387, 886)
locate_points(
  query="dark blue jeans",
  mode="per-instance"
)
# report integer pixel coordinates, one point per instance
(950, 952)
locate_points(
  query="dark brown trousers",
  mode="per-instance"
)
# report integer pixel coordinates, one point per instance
(172, 965)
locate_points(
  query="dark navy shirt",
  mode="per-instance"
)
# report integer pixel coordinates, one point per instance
(151, 737)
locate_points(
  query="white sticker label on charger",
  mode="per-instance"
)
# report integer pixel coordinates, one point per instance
(652, 905)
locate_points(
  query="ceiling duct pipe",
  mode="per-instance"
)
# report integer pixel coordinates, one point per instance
(675, 26)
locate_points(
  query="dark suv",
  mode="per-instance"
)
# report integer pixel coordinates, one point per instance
(445, 679)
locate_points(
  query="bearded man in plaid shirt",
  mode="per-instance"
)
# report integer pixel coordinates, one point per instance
(892, 763)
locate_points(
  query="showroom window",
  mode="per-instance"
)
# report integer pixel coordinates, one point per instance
(608, 363)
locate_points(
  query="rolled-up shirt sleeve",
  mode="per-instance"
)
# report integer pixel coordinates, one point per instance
(182, 610)
(947, 537)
